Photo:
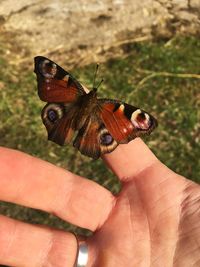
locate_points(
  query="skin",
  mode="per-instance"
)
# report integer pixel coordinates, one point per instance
(153, 221)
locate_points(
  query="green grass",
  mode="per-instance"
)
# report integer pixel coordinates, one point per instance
(137, 79)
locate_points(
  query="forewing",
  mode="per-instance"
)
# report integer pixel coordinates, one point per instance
(125, 122)
(54, 83)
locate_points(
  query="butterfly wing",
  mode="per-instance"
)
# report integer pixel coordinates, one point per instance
(59, 121)
(93, 138)
(125, 122)
(54, 83)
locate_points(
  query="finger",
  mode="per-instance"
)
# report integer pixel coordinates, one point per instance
(23, 244)
(35, 183)
(128, 160)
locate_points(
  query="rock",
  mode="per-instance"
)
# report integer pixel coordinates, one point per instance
(81, 32)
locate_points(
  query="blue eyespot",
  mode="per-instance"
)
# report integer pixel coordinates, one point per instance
(52, 115)
(106, 139)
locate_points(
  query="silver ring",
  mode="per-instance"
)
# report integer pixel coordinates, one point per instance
(82, 253)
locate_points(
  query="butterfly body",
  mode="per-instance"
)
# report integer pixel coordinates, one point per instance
(87, 105)
(98, 125)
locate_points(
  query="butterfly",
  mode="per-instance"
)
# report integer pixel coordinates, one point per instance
(99, 125)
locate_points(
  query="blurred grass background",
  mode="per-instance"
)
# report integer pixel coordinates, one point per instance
(161, 77)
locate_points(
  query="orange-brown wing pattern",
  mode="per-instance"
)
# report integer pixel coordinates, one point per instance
(58, 122)
(93, 139)
(54, 83)
(125, 122)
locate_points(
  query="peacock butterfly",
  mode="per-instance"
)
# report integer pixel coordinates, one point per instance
(99, 124)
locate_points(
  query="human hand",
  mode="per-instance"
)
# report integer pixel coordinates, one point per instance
(153, 221)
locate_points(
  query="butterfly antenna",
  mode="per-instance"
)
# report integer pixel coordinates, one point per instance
(95, 75)
(102, 80)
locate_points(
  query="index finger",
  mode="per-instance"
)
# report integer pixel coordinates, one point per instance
(128, 160)
(32, 182)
